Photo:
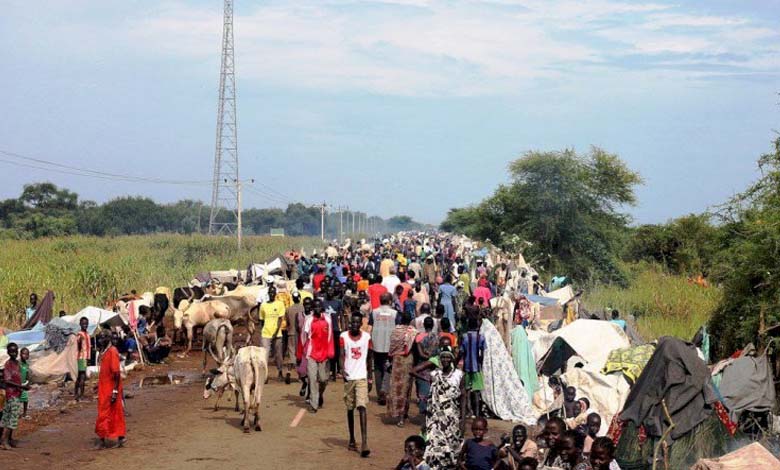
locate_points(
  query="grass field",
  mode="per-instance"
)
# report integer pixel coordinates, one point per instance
(663, 304)
(89, 270)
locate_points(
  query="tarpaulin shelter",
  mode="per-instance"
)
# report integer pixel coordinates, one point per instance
(677, 376)
(591, 340)
(747, 384)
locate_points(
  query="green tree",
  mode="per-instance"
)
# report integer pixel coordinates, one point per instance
(751, 264)
(566, 205)
(687, 245)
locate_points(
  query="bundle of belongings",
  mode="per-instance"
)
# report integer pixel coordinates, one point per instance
(753, 456)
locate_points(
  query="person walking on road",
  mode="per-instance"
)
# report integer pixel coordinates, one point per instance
(355, 360)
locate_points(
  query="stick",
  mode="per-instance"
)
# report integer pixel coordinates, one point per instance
(663, 436)
(140, 348)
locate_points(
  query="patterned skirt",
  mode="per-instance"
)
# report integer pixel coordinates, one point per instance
(400, 386)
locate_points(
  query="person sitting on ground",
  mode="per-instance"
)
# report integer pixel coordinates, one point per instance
(517, 448)
(602, 454)
(616, 320)
(128, 346)
(478, 453)
(414, 448)
(569, 448)
(160, 348)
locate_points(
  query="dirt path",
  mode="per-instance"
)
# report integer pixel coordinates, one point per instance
(172, 427)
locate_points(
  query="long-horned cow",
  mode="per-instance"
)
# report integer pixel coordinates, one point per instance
(248, 371)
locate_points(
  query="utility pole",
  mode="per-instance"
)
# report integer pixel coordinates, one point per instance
(341, 224)
(353, 223)
(322, 208)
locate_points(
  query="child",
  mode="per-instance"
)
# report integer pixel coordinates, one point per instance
(571, 407)
(85, 350)
(472, 349)
(478, 453)
(445, 331)
(602, 454)
(414, 448)
(517, 448)
(12, 380)
(24, 355)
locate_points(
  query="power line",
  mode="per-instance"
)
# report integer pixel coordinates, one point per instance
(78, 171)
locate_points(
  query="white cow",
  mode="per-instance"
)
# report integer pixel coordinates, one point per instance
(249, 371)
(218, 341)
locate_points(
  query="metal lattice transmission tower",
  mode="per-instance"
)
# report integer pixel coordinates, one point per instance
(225, 195)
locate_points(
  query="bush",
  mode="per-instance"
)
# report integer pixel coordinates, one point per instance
(663, 304)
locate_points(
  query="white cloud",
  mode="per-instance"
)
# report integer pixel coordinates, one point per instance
(433, 48)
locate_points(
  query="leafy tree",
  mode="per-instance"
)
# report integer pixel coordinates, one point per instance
(751, 280)
(48, 198)
(687, 245)
(566, 205)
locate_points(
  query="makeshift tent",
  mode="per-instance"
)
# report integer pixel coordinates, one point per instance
(747, 385)
(591, 340)
(753, 456)
(96, 316)
(606, 393)
(504, 393)
(676, 376)
(52, 366)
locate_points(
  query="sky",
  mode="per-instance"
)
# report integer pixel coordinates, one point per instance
(390, 107)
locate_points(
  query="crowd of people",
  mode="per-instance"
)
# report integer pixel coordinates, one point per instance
(405, 315)
(400, 316)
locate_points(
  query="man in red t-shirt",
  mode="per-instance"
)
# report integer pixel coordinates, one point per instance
(320, 335)
(375, 290)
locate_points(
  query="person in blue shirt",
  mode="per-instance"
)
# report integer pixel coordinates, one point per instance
(472, 350)
(616, 320)
(30, 311)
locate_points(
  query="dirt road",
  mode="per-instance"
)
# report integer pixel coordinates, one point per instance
(172, 427)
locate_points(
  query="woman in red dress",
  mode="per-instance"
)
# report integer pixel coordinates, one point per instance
(110, 423)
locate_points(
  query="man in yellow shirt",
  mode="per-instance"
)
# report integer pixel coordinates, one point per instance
(271, 314)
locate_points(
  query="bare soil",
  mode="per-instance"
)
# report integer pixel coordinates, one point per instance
(171, 426)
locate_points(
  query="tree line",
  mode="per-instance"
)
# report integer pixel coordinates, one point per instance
(46, 210)
(565, 211)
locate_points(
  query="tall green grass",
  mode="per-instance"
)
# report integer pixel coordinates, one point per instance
(91, 271)
(663, 304)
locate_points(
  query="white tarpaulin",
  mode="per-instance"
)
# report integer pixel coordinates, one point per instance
(563, 295)
(96, 316)
(592, 340)
(607, 393)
